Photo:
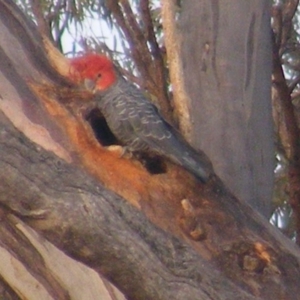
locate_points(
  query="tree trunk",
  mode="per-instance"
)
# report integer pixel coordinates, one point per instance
(226, 55)
(162, 236)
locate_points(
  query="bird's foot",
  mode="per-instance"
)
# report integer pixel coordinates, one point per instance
(116, 149)
(122, 151)
(127, 153)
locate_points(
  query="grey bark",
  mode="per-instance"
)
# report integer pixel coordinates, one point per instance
(227, 69)
(100, 229)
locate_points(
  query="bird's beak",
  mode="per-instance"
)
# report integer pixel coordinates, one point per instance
(90, 85)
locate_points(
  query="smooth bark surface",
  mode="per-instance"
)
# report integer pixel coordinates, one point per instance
(227, 69)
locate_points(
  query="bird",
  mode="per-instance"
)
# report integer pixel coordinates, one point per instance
(133, 119)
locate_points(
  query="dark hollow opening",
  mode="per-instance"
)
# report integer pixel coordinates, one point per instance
(153, 163)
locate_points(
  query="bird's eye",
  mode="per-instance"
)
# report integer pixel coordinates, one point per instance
(99, 75)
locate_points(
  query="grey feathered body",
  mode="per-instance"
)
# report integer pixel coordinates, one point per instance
(137, 124)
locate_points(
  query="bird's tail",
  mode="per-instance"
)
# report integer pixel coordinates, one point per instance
(193, 161)
(199, 166)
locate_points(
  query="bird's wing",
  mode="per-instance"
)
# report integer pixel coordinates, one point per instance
(148, 125)
(142, 118)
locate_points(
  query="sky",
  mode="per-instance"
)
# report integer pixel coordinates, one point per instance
(93, 27)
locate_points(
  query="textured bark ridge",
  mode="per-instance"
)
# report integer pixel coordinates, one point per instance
(155, 236)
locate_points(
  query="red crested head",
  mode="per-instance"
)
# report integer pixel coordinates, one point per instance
(95, 67)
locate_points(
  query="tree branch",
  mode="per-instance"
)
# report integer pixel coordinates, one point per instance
(100, 229)
(172, 43)
(43, 26)
(148, 28)
(288, 131)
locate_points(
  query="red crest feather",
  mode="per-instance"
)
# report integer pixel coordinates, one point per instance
(89, 65)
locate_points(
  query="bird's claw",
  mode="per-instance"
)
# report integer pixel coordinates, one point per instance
(123, 151)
